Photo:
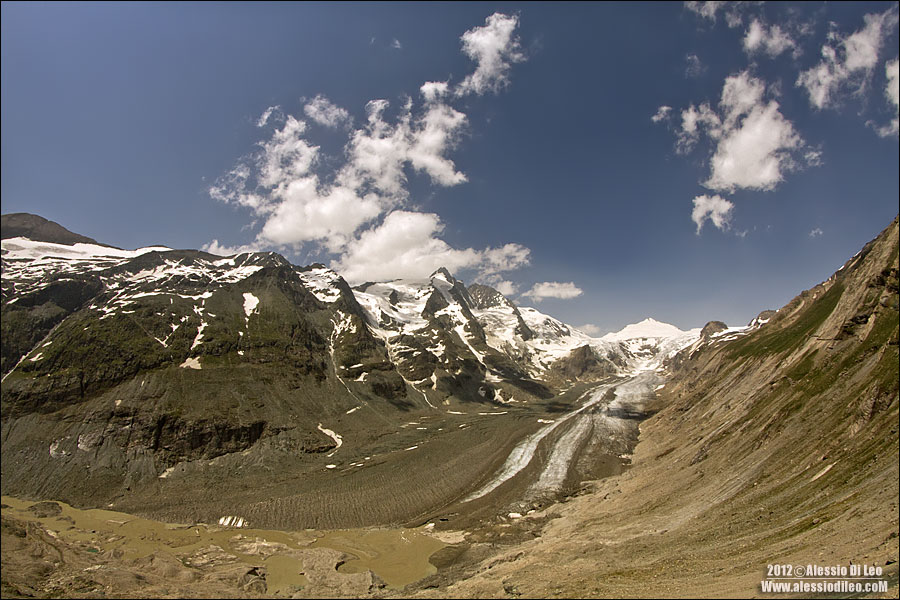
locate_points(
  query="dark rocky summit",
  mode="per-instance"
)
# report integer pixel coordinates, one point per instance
(39, 229)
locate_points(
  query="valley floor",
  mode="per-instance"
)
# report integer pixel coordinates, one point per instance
(528, 527)
(51, 548)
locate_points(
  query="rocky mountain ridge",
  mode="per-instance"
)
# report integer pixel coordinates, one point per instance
(122, 368)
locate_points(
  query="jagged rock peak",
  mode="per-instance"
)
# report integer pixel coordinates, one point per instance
(444, 274)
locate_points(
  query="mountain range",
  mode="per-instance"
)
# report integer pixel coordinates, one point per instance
(193, 388)
(126, 370)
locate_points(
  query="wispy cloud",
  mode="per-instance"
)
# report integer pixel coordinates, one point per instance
(494, 262)
(847, 62)
(396, 45)
(553, 289)
(214, 247)
(816, 233)
(694, 67)
(321, 110)
(267, 114)
(662, 113)
(733, 11)
(506, 287)
(771, 40)
(892, 92)
(592, 330)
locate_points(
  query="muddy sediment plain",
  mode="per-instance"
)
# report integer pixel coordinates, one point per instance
(98, 552)
(375, 516)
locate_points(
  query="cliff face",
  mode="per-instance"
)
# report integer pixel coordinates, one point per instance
(779, 446)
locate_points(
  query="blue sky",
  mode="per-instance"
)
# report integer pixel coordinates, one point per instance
(540, 157)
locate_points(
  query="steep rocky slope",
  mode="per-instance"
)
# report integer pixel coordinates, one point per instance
(775, 447)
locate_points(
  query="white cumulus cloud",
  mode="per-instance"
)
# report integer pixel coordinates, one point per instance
(713, 208)
(754, 144)
(505, 258)
(435, 133)
(892, 89)
(309, 212)
(553, 289)
(494, 48)
(406, 245)
(706, 10)
(354, 206)
(378, 152)
(281, 182)
(754, 154)
(496, 261)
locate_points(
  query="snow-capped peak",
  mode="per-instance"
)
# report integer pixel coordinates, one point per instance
(648, 328)
(444, 274)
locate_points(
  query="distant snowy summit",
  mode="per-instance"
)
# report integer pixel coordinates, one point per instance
(648, 328)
